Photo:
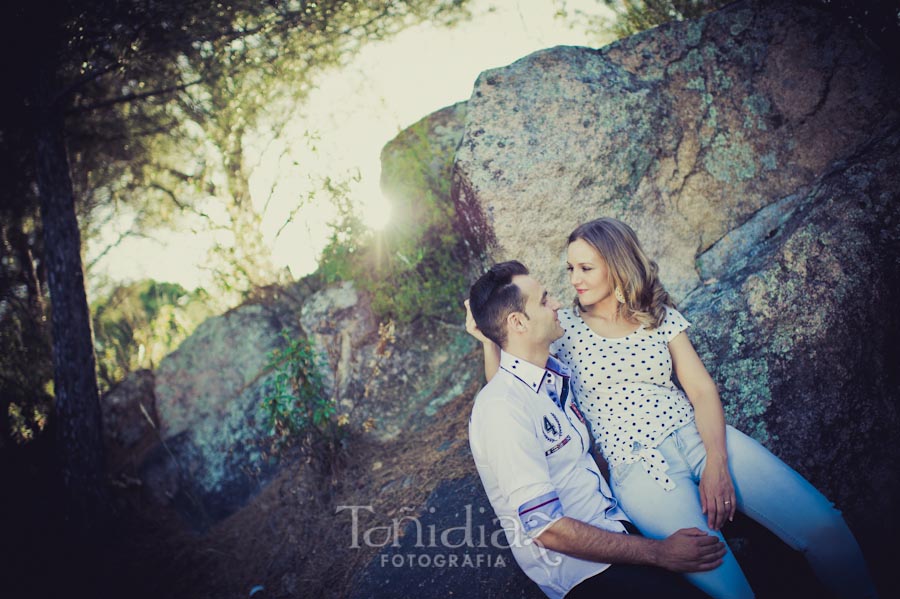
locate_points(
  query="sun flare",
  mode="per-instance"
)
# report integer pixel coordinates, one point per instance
(376, 214)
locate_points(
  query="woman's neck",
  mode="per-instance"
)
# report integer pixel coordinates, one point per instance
(603, 310)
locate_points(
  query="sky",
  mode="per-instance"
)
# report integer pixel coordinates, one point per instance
(340, 130)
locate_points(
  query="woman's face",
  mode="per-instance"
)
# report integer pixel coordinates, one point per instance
(588, 273)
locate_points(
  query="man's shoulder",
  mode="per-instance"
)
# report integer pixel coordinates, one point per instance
(498, 390)
(501, 411)
(499, 395)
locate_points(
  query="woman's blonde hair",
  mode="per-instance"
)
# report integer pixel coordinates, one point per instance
(629, 269)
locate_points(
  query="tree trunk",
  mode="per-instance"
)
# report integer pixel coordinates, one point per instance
(78, 419)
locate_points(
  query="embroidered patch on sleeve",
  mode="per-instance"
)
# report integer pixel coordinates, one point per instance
(552, 429)
(540, 511)
(558, 446)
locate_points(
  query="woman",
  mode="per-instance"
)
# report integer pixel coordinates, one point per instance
(674, 463)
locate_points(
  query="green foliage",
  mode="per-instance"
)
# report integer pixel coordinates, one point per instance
(26, 365)
(350, 240)
(633, 16)
(428, 282)
(26, 373)
(621, 18)
(137, 325)
(23, 426)
(416, 267)
(297, 410)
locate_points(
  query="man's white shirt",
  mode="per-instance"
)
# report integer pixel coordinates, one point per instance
(533, 459)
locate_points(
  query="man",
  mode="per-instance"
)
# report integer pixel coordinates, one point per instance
(532, 450)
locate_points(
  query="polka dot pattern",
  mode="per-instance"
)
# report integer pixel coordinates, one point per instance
(624, 387)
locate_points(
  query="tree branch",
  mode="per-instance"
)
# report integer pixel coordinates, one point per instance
(85, 79)
(132, 97)
(115, 244)
(274, 182)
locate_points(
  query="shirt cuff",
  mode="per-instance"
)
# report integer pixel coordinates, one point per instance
(539, 513)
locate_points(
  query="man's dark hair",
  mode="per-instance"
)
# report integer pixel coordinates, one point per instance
(494, 297)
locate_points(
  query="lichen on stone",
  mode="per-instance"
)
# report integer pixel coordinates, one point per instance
(694, 33)
(740, 20)
(730, 159)
(697, 83)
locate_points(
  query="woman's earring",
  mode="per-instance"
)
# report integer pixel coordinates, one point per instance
(619, 295)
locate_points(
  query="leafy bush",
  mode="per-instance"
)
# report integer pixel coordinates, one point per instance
(298, 410)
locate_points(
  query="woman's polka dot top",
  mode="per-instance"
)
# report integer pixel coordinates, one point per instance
(624, 387)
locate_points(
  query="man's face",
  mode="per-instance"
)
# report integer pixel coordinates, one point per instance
(542, 322)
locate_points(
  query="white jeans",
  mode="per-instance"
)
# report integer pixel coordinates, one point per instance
(767, 490)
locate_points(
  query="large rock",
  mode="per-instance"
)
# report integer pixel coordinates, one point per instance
(755, 151)
(208, 396)
(393, 378)
(684, 131)
(339, 323)
(798, 324)
(423, 261)
(418, 163)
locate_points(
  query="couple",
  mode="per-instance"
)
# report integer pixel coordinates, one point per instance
(603, 368)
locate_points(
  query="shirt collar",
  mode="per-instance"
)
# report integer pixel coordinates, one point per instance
(528, 373)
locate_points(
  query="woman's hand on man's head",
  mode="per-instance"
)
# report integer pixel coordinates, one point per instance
(472, 327)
